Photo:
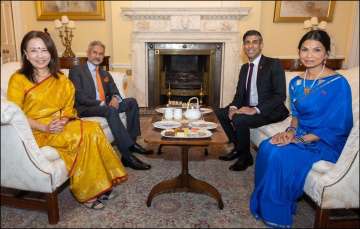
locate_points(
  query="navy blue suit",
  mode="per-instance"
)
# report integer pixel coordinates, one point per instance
(271, 88)
(87, 105)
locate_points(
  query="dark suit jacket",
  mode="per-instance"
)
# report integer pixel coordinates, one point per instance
(271, 87)
(85, 93)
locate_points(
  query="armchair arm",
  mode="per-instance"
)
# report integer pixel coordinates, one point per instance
(340, 185)
(23, 165)
(120, 80)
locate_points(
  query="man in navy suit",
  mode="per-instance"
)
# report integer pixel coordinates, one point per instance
(259, 100)
(97, 95)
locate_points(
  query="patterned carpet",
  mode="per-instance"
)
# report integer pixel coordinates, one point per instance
(168, 210)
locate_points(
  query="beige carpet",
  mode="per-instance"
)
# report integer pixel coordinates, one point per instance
(168, 210)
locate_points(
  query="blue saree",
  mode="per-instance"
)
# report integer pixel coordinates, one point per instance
(280, 171)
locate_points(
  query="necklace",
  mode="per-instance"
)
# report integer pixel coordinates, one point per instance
(308, 89)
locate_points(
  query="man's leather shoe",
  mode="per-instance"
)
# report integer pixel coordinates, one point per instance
(134, 163)
(242, 164)
(230, 156)
(136, 148)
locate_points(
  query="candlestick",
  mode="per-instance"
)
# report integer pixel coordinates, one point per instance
(201, 95)
(65, 28)
(169, 94)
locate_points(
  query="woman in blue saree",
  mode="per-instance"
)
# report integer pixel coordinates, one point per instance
(320, 101)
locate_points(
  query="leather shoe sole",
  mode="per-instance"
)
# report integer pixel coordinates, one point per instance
(135, 163)
(241, 165)
(230, 156)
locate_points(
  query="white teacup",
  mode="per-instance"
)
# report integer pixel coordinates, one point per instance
(168, 113)
(178, 114)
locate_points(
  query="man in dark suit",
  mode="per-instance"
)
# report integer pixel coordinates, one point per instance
(259, 100)
(97, 95)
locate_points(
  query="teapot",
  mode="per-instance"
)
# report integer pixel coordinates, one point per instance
(192, 113)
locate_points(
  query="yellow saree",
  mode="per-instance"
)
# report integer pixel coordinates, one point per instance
(92, 163)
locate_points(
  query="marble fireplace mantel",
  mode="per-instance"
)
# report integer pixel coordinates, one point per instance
(181, 25)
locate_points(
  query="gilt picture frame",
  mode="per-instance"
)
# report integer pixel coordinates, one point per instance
(299, 11)
(75, 10)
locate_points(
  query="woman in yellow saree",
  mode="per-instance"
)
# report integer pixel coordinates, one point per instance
(47, 98)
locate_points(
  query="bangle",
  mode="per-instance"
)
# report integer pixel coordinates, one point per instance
(290, 128)
(301, 139)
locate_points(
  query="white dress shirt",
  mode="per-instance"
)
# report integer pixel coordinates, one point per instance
(253, 89)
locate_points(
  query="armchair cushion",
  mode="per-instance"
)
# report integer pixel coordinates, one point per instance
(50, 153)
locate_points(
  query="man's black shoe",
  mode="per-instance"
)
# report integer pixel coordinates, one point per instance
(230, 156)
(134, 163)
(242, 164)
(136, 148)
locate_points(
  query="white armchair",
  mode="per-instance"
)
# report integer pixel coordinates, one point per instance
(25, 166)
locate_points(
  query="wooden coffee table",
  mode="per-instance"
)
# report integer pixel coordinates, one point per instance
(184, 180)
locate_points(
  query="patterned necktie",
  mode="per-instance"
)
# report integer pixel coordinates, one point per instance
(248, 85)
(99, 85)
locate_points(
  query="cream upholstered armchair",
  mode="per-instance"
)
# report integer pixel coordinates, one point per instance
(25, 166)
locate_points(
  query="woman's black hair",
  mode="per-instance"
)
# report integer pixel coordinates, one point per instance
(27, 69)
(317, 35)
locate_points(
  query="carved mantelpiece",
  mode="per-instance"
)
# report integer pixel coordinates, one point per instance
(185, 19)
(181, 25)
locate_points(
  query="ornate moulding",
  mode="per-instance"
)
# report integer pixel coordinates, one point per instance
(180, 25)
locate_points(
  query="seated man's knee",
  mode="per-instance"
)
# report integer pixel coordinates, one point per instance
(240, 120)
(221, 112)
(111, 111)
(132, 102)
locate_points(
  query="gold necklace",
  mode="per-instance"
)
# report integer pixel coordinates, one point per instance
(308, 89)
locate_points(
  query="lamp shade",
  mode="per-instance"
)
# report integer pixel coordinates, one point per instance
(307, 24)
(71, 25)
(58, 24)
(314, 21)
(64, 19)
(322, 25)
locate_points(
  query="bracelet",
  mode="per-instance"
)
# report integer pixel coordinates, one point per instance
(301, 139)
(291, 128)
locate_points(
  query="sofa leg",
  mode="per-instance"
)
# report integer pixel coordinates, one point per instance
(321, 218)
(52, 207)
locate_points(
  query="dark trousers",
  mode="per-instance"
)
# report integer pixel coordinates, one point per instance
(124, 137)
(238, 129)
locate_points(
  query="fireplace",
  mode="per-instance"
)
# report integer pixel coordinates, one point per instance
(185, 70)
(209, 37)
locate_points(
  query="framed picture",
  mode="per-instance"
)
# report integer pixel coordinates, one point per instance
(75, 10)
(299, 11)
